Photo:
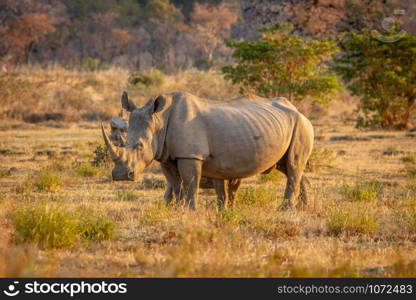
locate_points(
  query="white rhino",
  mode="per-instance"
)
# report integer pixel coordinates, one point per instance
(118, 134)
(193, 137)
(117, 137)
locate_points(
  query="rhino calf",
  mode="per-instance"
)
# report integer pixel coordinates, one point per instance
(118, 131)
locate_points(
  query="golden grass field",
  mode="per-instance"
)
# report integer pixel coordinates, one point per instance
(61, 216)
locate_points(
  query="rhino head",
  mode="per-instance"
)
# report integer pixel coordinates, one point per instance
(118, 131)
(142, 140)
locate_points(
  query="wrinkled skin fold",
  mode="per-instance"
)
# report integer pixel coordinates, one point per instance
(227, 141)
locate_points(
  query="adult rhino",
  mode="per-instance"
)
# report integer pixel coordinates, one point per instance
(193, 137)
(119, 126)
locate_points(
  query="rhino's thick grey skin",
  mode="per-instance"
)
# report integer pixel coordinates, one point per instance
(118, 131)
(193, 137)
(225, 189)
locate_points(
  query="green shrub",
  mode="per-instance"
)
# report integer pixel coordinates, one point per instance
(259, 194)
(155, 214)
(231, 216)
(319, 159)
(49, 227)
(85, 169)
(154, 78)
(274, 176)
(57, 227)
(101, 156)
(47, 181)
(408, 159)
(352, 222)
(2, 196)
(95, 228)
(367, 191)
(382, 75)
(282, 63)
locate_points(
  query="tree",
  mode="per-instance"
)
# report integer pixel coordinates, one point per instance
(210, 26)
(383, 74)
(164, 21)
(284, 64)
(107, 39)
(20, 35)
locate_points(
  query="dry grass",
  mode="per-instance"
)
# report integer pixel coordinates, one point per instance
(361, 219)
(53, 95)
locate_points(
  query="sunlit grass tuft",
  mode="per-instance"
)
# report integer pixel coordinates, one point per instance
(86, 169)
(366, 191)
(352, 221)
(259, 194)
(51, 226)
(47, 181)
(48, 226)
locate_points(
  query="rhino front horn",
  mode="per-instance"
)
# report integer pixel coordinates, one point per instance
(110, 147)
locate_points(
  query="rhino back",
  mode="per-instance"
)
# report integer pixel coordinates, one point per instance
(235, 139)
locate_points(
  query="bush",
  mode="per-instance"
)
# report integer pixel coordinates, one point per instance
(155, 214)
(154, 78)
(256, 195)
(319, 159)
(95, 228)
(367, 191)
(85, 169)
(50, 227)
(408, 159)
(58, 227)
(282, 63)
(101, 156)
(382, 74)
(47, 181)
(231, 216)
(352, 222)
(274, 176)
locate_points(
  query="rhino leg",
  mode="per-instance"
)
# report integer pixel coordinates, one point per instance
(233, 185)
(220, 186)
(168, 196)
(294, 163)
(303, 194)
(174, 182)
(190, 173)
(303, 191)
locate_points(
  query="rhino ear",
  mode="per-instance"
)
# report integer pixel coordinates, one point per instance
(126, 103)
(159, 104)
